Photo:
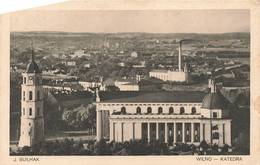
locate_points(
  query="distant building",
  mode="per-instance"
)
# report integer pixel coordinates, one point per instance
(89, 83)
(122, 64)
(106, 43)
(127, 85)
(141, 65)
(134, 54)
(71, 63)
(55, 55)
(56, 87)
(87, 65)
(173, 76)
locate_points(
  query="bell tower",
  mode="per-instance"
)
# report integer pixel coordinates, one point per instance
(32, 121)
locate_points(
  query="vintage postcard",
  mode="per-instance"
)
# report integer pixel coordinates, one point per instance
(131, 82)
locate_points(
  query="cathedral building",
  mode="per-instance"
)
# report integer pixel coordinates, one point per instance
(32, 121)
(180, 75)
(172, 117)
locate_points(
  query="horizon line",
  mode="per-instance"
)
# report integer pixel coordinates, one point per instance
(127, 32)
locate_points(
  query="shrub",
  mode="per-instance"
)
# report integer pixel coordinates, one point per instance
(182, 147)
(204, 145)
(225, 148)
(215, 148)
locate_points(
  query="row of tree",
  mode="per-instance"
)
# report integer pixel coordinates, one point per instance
(132, 147)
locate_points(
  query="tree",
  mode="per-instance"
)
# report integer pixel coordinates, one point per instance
(69, 117)
(80, 117)
(204, 145)
(26, 150)
(100, 148)
(122, 73)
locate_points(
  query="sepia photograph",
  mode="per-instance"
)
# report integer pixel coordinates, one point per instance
(130, 82)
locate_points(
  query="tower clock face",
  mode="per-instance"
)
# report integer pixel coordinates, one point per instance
(30, 77)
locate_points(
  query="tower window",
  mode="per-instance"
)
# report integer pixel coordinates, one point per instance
(149, 110)
(138, 110)
(123, 110)
(38, 111)
(38, 95)
(29, 124)
(23, 95)
(215, 115)
(193, 110)
(30, 95)
(171, 110)
(24, 80)
(160, 110)
(30, 111)
(23, 111)
(182, 110)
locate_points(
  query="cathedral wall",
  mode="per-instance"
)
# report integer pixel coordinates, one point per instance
(165, 107)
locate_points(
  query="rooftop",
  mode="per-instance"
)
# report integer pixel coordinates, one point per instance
(32, 67)
(152, 97)
(160, 71)
(63, 96)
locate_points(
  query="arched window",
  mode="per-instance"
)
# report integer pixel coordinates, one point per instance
(149, 110)
(30, 95)
(123, 110)
(23, 111)
(193, 110)
(138, 110)
(171, 110)
(38, 95)
(30, 111)
(182, 111)
(160, 110)
(24, 80)
(38, 111)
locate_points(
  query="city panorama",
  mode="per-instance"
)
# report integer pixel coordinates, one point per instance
(171, 91)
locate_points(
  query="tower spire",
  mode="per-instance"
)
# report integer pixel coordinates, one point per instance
(32, 58)
(180, 53)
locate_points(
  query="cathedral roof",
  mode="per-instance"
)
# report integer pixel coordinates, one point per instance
(211, 101)
(152, 97)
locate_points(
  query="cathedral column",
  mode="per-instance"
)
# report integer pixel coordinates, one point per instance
(148, 131)
(99, 125)
(221, 134)
(201, 132)
(210, 128)
(183, 132)
(174, 133)
(122, 132)
(157, 130)
(166, 132)
(192, 132)
(111, 131)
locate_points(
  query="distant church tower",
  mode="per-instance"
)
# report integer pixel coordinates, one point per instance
(32, 121)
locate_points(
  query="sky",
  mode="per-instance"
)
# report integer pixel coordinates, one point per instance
(148, 21)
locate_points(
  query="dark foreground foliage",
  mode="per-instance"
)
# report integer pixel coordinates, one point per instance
(132, 147)
(70, 147)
